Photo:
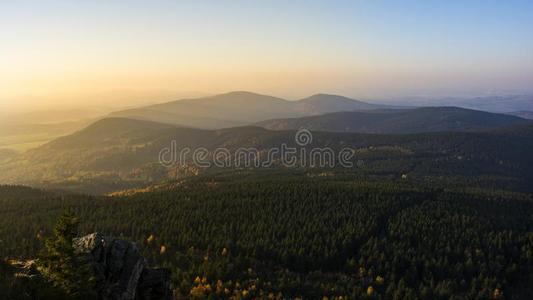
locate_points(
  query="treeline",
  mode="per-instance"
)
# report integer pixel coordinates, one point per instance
(255, 235)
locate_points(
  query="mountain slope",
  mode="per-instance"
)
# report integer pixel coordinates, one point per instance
(325, 103)
(115, 154)
(427, 119)
(239, 108)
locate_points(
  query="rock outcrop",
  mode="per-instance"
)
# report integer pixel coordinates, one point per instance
(121, 272)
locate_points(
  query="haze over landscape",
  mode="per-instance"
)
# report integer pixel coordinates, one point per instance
(103, 52)
(266, 150)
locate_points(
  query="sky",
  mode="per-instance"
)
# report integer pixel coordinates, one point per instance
(111, 52)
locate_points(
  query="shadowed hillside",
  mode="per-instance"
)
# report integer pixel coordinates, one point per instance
(427, 119)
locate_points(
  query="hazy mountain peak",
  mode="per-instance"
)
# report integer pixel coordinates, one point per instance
(326, 97)
(327, 103)
(241, 94)
(239, 108)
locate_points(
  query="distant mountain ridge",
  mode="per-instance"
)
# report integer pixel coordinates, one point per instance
(122, 151)
(496, 103)
(240, 108)
(327, 103)
(388, 121)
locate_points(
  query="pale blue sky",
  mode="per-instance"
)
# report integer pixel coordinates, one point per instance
(287, 48)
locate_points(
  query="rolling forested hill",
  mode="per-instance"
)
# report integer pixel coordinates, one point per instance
(115, 154)
(427, 119)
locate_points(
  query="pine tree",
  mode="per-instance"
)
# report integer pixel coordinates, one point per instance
(63, 266)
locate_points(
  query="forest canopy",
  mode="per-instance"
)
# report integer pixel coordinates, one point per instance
(254, 235)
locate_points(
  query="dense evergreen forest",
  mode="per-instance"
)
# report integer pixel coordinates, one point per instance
(282, 235)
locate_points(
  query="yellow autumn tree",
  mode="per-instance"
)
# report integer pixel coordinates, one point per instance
(370, 291)
(150, 239)
(497, 294)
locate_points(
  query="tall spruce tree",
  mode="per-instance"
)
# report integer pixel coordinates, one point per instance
(63, 266)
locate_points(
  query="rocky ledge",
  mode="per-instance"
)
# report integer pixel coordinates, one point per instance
(121, 272)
